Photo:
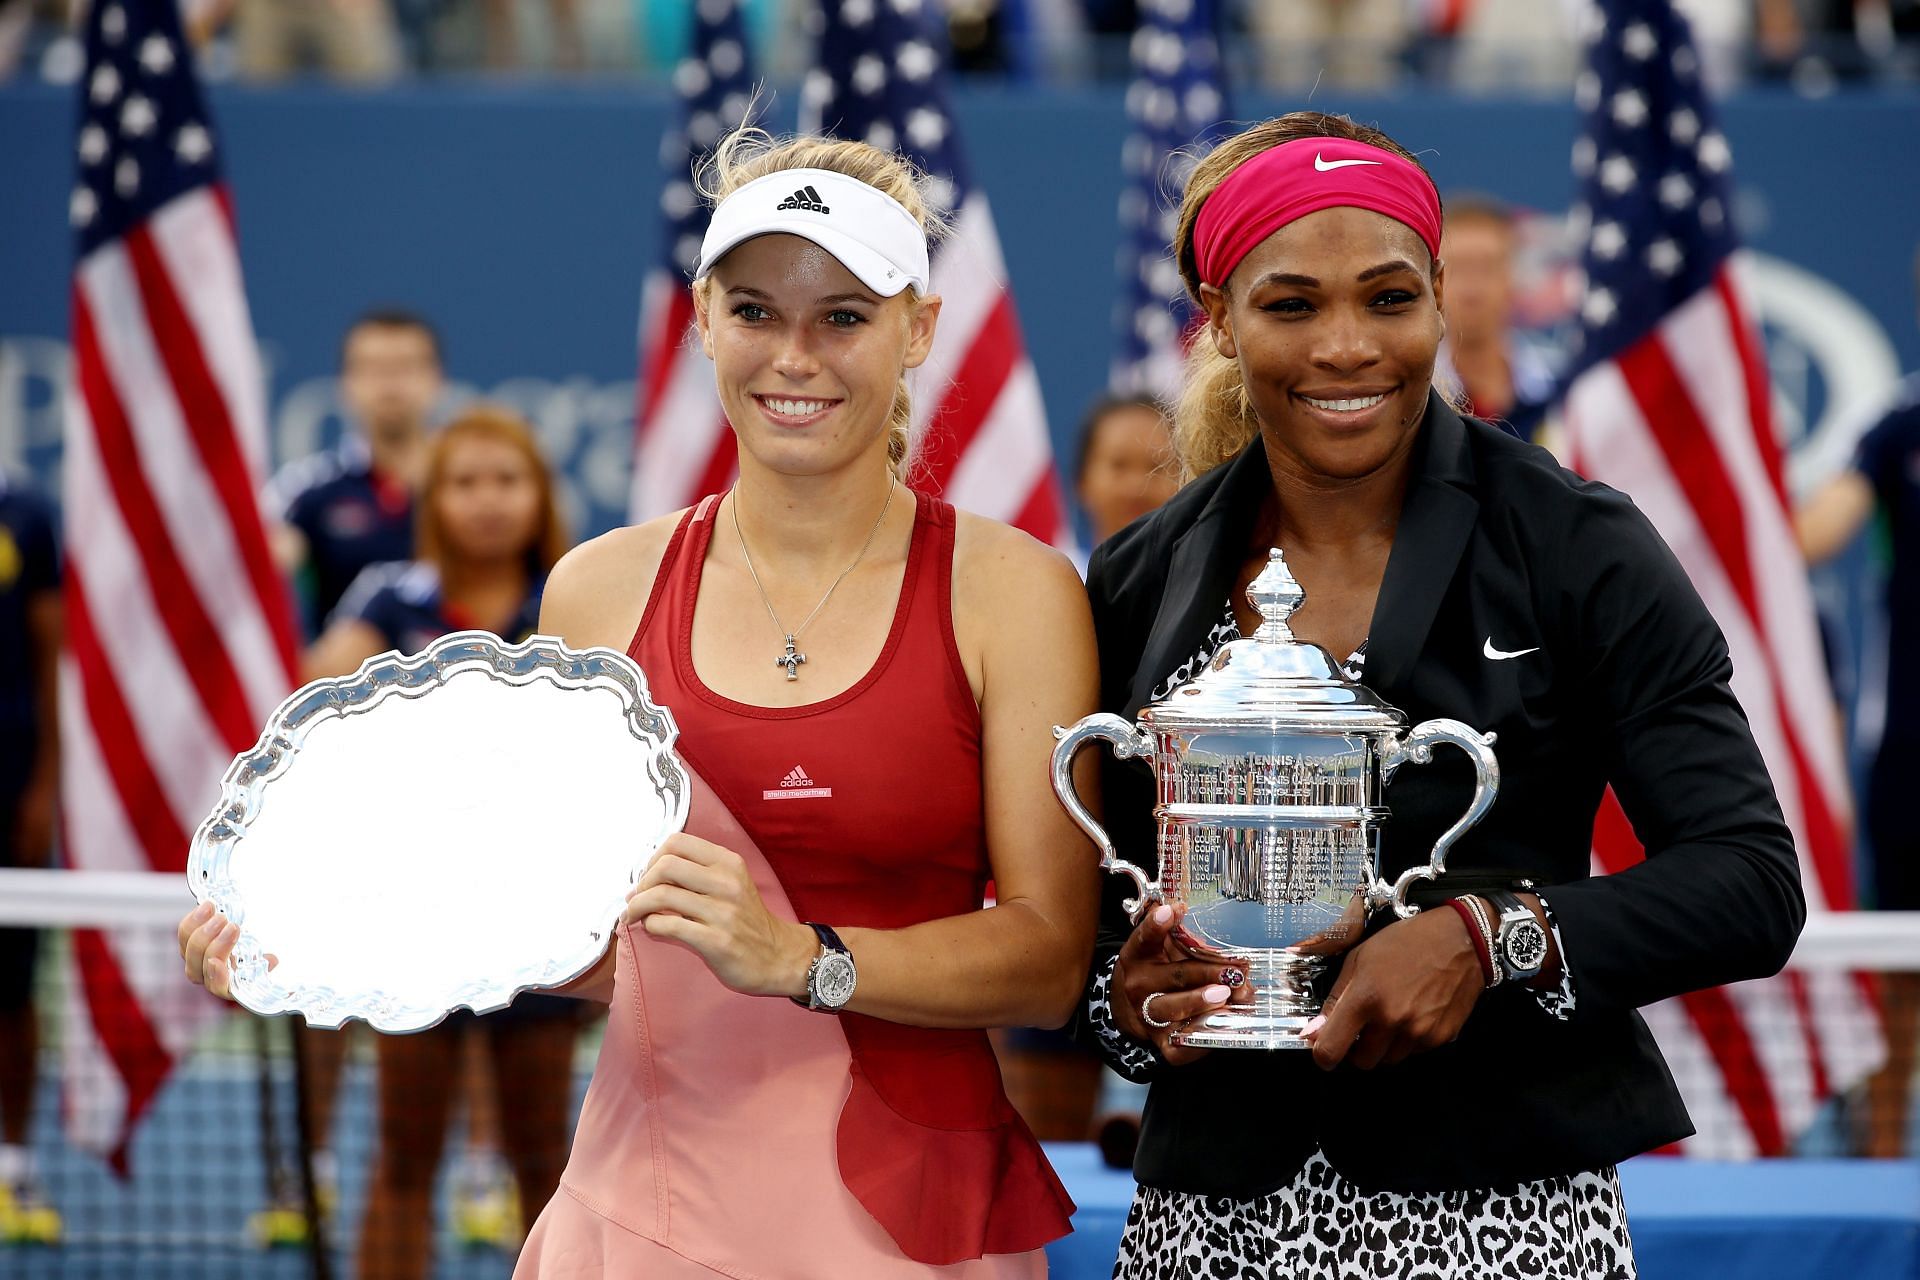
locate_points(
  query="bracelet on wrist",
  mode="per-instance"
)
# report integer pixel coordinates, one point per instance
(1490, 934)
(1481, 935)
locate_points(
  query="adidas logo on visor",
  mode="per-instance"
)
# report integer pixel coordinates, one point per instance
(805, 199)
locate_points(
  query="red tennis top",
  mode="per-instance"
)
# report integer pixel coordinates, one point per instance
(869, 808)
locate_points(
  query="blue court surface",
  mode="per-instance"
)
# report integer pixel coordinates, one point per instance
(198, 1171)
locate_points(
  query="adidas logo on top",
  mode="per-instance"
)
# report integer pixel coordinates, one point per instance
(797, 786)
(805, 199)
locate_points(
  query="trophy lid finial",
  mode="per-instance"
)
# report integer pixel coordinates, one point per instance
(1275, 594)
(1272, 678)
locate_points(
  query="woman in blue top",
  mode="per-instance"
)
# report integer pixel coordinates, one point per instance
(487, 533)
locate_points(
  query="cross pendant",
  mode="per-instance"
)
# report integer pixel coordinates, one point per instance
(791, 660)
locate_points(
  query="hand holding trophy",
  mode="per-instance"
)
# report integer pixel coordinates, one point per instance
(1270, 767)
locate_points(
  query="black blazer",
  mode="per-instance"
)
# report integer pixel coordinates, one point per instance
(1497, 546)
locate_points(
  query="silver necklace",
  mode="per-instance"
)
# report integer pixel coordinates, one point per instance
(792, 657)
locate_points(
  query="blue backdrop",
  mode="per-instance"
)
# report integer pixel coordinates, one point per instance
(522, 219)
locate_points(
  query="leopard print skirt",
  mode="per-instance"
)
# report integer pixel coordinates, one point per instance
(1321, 1227)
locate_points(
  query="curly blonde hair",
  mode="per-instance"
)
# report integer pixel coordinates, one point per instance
(1214, 418)
(749, 153)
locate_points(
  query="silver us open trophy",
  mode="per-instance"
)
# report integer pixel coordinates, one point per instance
(1269, 767)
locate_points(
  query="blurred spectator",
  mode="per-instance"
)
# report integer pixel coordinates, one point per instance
(978, 37)
(24, 23)
(415, 25)
(1885, 476)
(1125, 470)
(333, 515)
(1723, 33)
(489, 532)
(1816, 42)
(30, 623)
(777, 40)
(348, 39)
(1494, 45)
(1503, 45)
(567, 47)
(1348, 43)
(1494, 367)
(16, 20)
(341, 511)
(1125, 467)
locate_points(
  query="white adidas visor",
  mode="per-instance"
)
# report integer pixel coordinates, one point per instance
(869, 232)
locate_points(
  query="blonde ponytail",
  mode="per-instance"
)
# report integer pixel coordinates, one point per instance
(1213, 419)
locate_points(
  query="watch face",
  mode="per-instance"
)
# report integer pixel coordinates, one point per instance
(1525, 946)
(833, 980)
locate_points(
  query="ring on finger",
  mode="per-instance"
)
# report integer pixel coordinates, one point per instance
(1146, 1012)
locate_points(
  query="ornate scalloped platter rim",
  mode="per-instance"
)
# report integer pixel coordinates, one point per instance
(645, 785)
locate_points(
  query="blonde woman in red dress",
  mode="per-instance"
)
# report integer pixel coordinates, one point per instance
(795, 1080)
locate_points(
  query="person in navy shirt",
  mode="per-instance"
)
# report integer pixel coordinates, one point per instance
(340, 511)
(29, 784)
(1884, 476)
(489, 531)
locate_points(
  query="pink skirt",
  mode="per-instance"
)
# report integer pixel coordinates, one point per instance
(707, 1142)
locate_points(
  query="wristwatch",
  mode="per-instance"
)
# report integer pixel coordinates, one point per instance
(1520, 939)
(831, 976)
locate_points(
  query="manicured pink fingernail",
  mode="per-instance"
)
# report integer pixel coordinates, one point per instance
(1216, 994)
(1312, 1028)
(1162, 915)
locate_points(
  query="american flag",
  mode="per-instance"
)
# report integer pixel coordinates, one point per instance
(980, 427)
(180, 635)
(1668, 400)
(683, 448)
(1176, 104)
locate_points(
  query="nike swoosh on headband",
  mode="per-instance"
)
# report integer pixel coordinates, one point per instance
(1497, 654)
(1328, 166)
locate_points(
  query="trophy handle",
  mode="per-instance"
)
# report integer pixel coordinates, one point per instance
(1127, 741)
(1417, 747)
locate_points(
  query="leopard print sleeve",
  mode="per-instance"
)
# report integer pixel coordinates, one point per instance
(1557, 1002)
(1133, 1059)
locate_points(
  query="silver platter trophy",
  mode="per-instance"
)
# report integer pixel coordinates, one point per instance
(438, 831)
(1269, 768)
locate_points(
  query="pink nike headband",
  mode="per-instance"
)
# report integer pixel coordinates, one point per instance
(1294, 179)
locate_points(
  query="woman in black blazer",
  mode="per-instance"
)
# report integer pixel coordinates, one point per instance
(1455, 1118)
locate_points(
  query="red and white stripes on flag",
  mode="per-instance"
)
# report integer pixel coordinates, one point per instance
(980, 427)
(683, 448)
(180, 632)
(1682, 422)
